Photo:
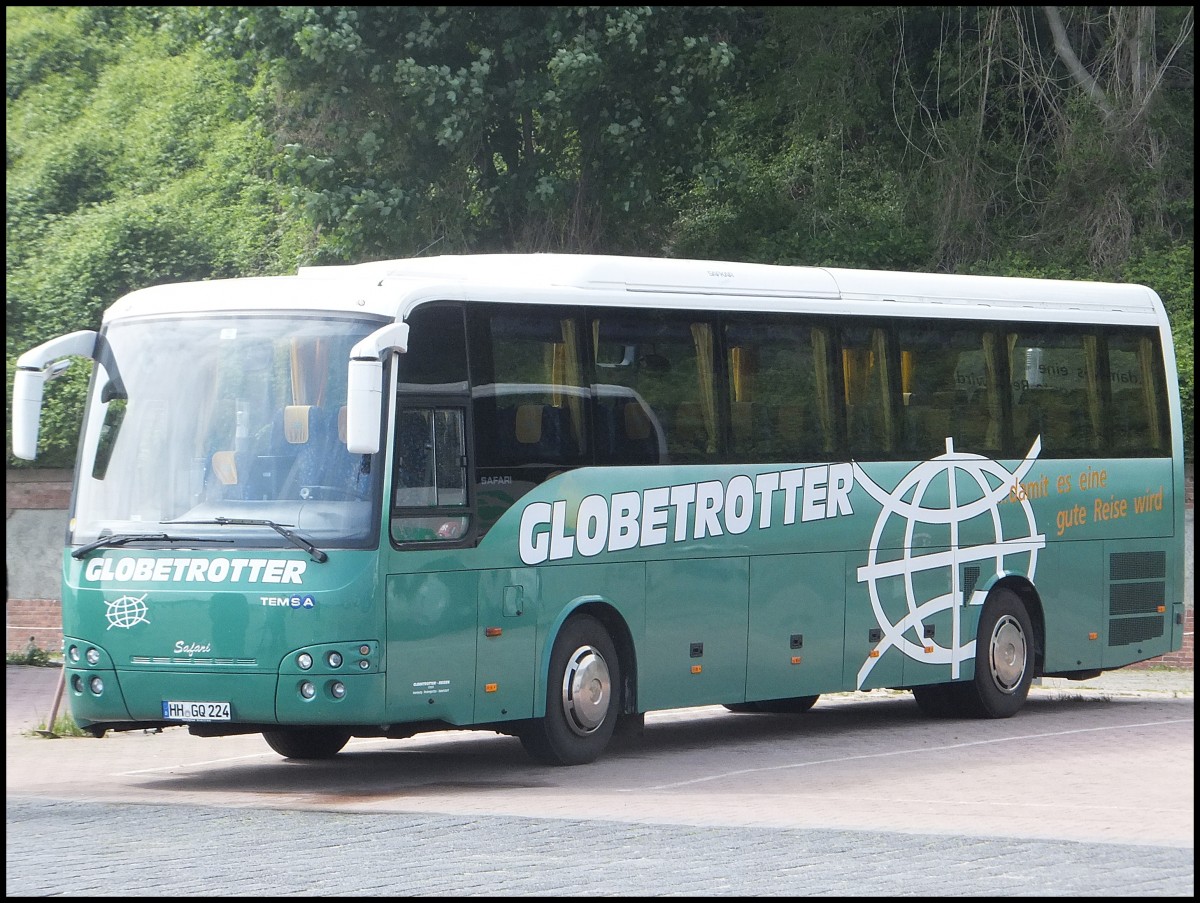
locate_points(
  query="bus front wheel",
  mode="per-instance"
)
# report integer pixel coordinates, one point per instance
(307, 742)
(582, 690)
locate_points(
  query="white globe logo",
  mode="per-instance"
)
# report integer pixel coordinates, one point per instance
(975, 488)
(127, 611)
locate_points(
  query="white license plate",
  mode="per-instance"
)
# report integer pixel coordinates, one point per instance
(194, 711)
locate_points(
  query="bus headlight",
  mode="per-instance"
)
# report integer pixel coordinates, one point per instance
(96, 685)
(304, 660)
(73, 652)
(334, 659)
(93, 656)
(337, 689)
(308, 689)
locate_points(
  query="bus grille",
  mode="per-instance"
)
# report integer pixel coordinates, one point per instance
(1137, 592)
(185, 660)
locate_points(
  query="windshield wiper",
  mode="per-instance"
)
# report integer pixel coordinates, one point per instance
(298, 541)
(120, 539)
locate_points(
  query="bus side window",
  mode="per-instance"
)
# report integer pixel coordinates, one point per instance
(1138, 422)
(868, 392)
(950, 389)
(780, 405)
(667, 364)
(1057, 393)
(430, 498)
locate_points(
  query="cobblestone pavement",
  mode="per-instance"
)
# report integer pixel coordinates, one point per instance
(108, 850)
(182, 820)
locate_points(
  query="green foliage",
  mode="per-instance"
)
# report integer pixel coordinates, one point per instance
(455, 128)
(138, 166)
(64, 726)
(33, 655)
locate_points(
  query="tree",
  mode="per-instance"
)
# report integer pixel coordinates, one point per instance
(487, 128)
(131, 161)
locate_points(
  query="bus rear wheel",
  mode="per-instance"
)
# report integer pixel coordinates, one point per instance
(1004, 665)
(307, 742)
(1004, 661)
(582, 691)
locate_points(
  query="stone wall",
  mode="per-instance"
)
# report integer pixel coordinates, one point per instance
(35, 529)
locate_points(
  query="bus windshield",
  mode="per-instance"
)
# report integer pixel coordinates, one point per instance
(231, 425)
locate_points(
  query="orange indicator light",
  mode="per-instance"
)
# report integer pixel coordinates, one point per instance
(696, 669)
(493, 631)
(795, 659)
(874, 653)
(1093, 635)
(490, 688)
(928, 650)
(1161, 609)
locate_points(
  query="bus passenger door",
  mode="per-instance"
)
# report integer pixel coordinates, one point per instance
(432, 601)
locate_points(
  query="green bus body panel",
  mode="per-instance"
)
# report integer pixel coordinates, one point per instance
(1134, 601)
(431, 630)
(696, 632)
(878, 572)
(205, 626)
(509, 602)
(801, 597)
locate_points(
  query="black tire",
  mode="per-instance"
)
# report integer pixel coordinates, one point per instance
(1004, 659)
(582, 697)
(307, 742)
(794, 705)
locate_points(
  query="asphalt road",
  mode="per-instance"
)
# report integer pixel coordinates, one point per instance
(1087, 792)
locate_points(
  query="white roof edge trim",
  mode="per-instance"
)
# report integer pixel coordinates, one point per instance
(391, 288)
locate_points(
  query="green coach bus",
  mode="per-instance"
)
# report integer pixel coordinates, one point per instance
(541, 494)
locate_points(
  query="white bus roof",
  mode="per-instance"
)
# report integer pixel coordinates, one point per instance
(391, 288)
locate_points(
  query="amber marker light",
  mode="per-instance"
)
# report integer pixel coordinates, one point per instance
(490, 688)
(696, 669)
(1093, 635)
(795, 659)
(493, 631)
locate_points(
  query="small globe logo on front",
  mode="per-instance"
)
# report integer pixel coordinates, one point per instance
(127, 611)
(937, 505)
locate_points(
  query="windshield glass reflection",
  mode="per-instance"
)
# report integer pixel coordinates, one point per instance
(220, 419)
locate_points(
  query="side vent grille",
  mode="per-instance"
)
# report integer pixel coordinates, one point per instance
(1137, 565)
(1136, 597)
(970, 578)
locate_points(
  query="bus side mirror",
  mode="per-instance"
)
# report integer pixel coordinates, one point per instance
(364, 386)
(34, 367)
(364, 406)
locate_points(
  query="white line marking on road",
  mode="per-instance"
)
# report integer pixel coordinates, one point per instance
(921, 751)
